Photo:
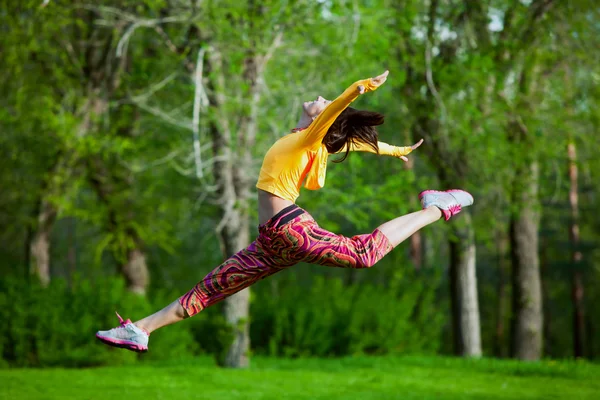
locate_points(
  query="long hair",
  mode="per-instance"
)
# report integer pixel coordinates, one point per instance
(353, 126)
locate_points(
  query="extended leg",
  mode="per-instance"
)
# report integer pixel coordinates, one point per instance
(236, 273)
(363, 251)
(401, 228)
(435, 205)
(171, 314)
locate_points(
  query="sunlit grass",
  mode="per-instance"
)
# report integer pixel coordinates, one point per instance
(346, 378)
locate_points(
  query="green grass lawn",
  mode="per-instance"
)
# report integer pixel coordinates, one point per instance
(347, 378)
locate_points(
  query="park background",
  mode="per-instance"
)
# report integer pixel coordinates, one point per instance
(131, 136)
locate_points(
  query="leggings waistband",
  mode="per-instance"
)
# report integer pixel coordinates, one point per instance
(284, 216)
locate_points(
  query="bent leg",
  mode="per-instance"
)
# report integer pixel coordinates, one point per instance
(332, 250)
(236, 273)
(364, 251)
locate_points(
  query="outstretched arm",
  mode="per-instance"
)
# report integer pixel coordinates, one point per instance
(384, 149)
(314, 134)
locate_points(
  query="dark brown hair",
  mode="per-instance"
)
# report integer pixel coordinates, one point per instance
(353, 126)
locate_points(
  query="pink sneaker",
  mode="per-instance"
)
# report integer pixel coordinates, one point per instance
(127, 336)
(449, 202)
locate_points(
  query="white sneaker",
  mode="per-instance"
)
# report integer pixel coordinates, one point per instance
(127, 336)
(449, 202)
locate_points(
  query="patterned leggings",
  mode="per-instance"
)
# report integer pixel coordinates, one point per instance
(290, 237)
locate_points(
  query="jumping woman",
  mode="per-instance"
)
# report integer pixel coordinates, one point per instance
(287, 233)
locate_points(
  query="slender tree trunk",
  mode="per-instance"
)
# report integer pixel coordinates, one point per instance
(416, 240)
(501, 308)
(109, 181)
(577, 287)
(40, 242)
(38, 235)
(135, 271)
(451, 169)
(527, 318)
(231, 172)
(233, 232)
(236, 308)
(131, 259)
(463, 286)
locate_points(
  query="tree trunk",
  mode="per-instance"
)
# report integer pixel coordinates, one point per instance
(233, 233)
(527, 318)
(135, 271)
(463, 289)
(40, 242)
(110, 181)
(231, 172)
(416, 240)
(236, 308)
(38, 236)
(131, 260)
(577, 288)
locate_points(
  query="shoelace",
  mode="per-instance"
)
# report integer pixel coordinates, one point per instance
(124, 323)
(121, 321)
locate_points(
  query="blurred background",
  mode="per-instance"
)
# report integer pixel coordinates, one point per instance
(132, 133)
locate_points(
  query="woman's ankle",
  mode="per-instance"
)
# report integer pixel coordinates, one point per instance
(435, 212)
(142, 327)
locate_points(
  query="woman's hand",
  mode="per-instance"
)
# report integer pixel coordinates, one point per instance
(377, 81)
(414, 146)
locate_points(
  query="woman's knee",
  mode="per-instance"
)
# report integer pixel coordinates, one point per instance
(369, 249)
(365, 262)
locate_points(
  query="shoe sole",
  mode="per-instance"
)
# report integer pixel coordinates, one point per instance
(123, 344)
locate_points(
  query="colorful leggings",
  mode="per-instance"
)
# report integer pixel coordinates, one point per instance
(290, 237)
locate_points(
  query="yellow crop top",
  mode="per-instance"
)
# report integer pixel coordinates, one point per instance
(302, 155)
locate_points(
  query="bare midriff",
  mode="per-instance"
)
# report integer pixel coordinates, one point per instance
(302, 157)
(269, 205)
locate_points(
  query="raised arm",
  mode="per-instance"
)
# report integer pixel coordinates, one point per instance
(314, 134)
(384, 149)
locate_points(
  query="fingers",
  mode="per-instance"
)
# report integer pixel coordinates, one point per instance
(420, 142)
(361, 89)
(379, 80)
(403, 158)
(383, 76)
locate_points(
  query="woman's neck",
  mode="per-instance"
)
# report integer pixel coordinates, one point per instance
(304, 122)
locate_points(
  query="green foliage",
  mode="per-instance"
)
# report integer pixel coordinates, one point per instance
(331, 319)
(213, 333)
(58, 59)
(55, 326)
